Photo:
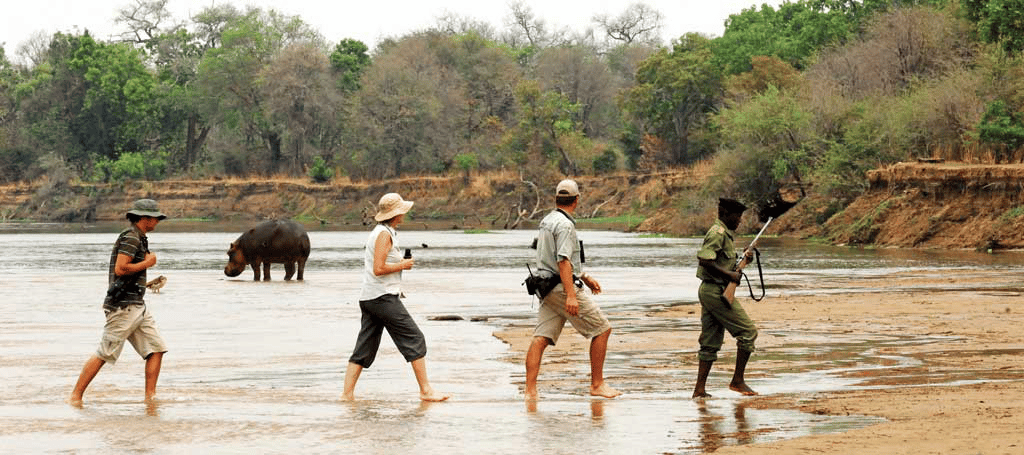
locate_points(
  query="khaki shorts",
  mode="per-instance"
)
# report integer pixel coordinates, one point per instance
(551, 316)
(132, 323)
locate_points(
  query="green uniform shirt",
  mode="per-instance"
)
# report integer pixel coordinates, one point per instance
(717, 247)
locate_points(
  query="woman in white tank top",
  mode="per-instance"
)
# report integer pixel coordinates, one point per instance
(380, 302)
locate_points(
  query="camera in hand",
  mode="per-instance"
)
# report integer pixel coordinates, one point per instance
(408, 253)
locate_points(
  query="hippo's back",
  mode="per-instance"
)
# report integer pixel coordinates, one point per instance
(276, 239)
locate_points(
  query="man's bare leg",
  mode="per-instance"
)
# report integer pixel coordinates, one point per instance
(89, 370)
(351, 376)
(598, 350)
(702, 378)
(738, 384)
(427, 393)
(153, 363)
(533, 358)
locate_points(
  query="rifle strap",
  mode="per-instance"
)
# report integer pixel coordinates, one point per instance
(760, 274)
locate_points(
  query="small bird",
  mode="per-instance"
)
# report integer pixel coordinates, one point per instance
(156, 283)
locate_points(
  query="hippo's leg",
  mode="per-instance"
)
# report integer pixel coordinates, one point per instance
(266, 271)
(302, 268)
(255, 271)
(289, 270)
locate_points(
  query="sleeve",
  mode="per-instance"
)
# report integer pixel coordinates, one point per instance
(713, 243)
(129, 245)
(565, 242)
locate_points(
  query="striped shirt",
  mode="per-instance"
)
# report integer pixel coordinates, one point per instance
(131, 242)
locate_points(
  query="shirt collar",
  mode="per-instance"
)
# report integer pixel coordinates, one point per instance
(567, 215)
(728, 232)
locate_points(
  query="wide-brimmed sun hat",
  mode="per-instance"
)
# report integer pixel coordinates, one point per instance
(390, 206)
(146, 207)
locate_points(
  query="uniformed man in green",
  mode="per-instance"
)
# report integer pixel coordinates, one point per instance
(716, 260)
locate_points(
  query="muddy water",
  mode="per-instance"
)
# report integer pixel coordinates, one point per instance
(258, 367)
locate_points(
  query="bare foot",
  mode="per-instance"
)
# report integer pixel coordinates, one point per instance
(348, 397)
(434, 396)
(75, 401)
(604, 390)
(742, 388)
(701, 394)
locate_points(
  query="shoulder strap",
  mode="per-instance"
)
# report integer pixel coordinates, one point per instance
(566, 216)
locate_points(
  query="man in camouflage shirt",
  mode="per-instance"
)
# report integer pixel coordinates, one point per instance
(126, 313)
(716, 261)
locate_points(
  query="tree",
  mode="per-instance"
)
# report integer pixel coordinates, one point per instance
(675, 90)
(639, 24)
(33, 50)
(766, 142)
(1001, 129)
(145, 20)
(528, 34)
(583, 78)
(300, 95)
(546, 121)
(792, 33)
(90, 100)
(229, 78)
(348, 60)
(999, 21)
(408, 108)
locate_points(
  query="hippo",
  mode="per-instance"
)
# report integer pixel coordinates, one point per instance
(270, 242)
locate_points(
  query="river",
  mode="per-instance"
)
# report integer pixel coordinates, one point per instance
(258, 366)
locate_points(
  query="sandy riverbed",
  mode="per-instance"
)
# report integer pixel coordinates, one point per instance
(956, 385)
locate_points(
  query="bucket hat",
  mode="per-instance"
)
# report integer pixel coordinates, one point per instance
(146, 207)
(390, 206)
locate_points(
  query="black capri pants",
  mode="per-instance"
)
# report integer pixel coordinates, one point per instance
(387, 312)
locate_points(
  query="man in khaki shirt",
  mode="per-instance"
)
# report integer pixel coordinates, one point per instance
(559, 254)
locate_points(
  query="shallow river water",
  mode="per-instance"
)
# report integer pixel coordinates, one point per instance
(258, 366)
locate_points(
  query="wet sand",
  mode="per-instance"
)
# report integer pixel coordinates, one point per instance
(942, 366)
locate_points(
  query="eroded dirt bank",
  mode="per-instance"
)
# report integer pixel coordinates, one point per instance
(922, 205)
(487, 201)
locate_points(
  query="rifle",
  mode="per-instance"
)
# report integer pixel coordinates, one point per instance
(730, 289)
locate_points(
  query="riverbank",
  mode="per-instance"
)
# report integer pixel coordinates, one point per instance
(943, 367)
(486, 201)
(906, 205)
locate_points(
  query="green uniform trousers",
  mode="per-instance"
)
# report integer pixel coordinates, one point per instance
(717, 316)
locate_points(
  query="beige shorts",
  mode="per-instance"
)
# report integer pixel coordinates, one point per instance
(551, 316)
(132, 323)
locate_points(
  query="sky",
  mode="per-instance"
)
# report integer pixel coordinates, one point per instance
(368, 21)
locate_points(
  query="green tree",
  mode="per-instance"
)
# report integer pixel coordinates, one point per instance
(791, 33)
(90, 99)
(675, 90)
(767, 141)
(1001, 129)
(999, 21)
(348, 60)
(229, 81)
(547, 126)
